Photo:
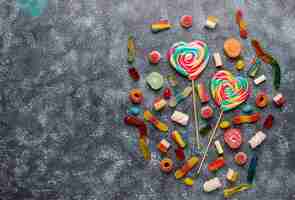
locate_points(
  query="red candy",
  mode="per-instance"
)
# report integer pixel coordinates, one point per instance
(154, 57)
(179, 152)
(216, 164)
(241, 158)
(133, 73)
(206, 112)
(167, 93)
(268, 121)
(233, 138)
(138, 123)
(186, 21)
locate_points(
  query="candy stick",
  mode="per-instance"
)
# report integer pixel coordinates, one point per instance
(197, 136)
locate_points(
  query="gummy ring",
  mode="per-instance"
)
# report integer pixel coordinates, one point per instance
(206, 112)
(233, 138)
(261, 100)
(166, 165)
(241, 158)
(136, 96)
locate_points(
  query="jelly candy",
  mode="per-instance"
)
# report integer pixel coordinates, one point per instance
(160, 25)
(247, 108)
(257, 139)
(242, 24)
(138, 123)
(255, 67)
(279, 100)
(187, 167)
(154, 57)
(224, 124)
(144, 149)
(267, 58)
(217, 60)
(205, 129)
(136, 96)
(252, 169)
(131, 49)
(261, 100)
(233, 138)
(159, 103)
(232, 48)
(157, 123)
(166, 165)
(241, 158)
(216, 164)
(268, 121)
(212, 184)
(155, 80)
(186, 21)
(133, 73)
(231, 175)
(180, 118)
(188, 181)
(211, 22)
(240, 119)
(134, 110)
(180, 97)
(240, 65)
(179, 152)
(163, 146)
(167, 93)
(231, 191)
(172, 80)
(203, 95)
(206, 112)
(218, 147)
(260, 79)
(177, 138)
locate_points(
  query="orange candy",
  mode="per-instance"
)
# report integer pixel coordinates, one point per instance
(136, 96)
(261, 100)
(232, 47)
(166, 165)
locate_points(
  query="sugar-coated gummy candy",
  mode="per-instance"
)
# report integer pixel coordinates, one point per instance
(160, 25)
(154, 57)
(188, 181)
(136, 96)
(241, 119)
(268, 122)
(155, 80)
(163, 146)
(224, 124)
(232, 47)
(260, 79)
(255, 67)
(186, 21)
(216, 164)
(229, 192)
(177, 138)
(186, 167)
(134, 110)
(180, 118)
(241, 158)
(143, 146)
(217, 60)
(179, 152)
(257, 139)
(211, 22)
(133, 73)
(159, 103)
(218, 147)
(232, 175)
(138, 123)
(240, 65)
(212, 184)
(161, 126)
(279, 100)
(233, 138)
(206, 112)
(166, 165)
(247, 108)
(167, 93)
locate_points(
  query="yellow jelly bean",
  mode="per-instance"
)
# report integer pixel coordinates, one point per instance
(188, 181)
(224, 124)
(240, 65)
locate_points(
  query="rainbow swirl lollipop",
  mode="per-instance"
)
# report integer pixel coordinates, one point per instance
(189, 59)
(229, 91)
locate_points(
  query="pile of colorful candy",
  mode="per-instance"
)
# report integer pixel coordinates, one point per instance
(228, 91)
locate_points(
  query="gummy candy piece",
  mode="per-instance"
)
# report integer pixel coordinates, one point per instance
(261, 100)
(177, 138)
(240, 119)
(268, 121)
(241, 158)
(255, 67)
(240, 65)
(187, 167)
(167, 93)
(180, 97)
(154, 57)
(186, 21)
(218, 147)
(242, 24)
(180, 118)
(163, 146)
(212, 184)
(260, 79)
(216, 164)
(205, 129)
(267, 58)
(257, 139)
(188, 181)
(136, 96)
(144, 149)
(217, 60)
(160, 25)
(232, 47)
(211, 22)
(233, 138)
(155, 80)
(133, 73)
(134, 110)
(131, 49)
(166, 165)
(279, 100)
(231, 191)
(179, 154)
(203, 95)
(252, 169)
(231, 175)
(157, 123)
(247, 108)
(224, 124)
(138, 123)
(159, 103)
(206, 112)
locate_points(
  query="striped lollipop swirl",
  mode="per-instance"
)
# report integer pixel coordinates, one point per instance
(229, 91)
(189, 59)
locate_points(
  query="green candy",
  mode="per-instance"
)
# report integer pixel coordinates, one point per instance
(155, 80)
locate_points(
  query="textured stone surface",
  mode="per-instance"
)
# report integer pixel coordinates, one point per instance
(64, 87)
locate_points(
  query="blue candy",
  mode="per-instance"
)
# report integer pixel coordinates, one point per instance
(247, 108)
(134, 110)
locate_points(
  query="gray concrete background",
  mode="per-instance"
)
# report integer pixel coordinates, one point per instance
(63, 97)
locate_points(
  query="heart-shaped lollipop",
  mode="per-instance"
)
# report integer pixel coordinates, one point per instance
(189, 59)
(229, 91)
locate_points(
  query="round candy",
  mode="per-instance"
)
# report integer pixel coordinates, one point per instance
(189, 59)
(229, 91)
(233, 138)
(186, 21)
(247, 108)
(134, 110)
(232, 47)
(155, 80)
(240, 65)
(166, 165)
(154, 57)
(188, 181)
(261, 100)
(136, 96)
(206, 112)
(167, 93)
(224, 124)
(241, 158)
